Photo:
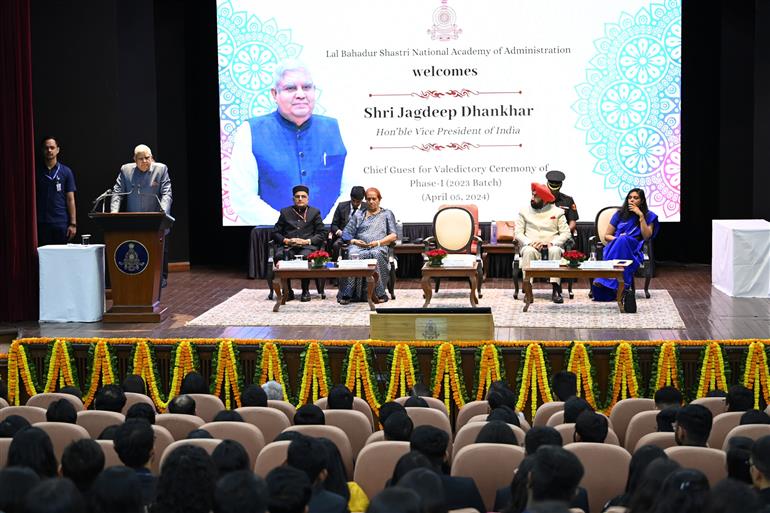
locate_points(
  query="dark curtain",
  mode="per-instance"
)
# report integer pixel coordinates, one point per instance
(18, 235)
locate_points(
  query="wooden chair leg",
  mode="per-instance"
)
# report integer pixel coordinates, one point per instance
(515, 279)
(479, 282)
(392, 283)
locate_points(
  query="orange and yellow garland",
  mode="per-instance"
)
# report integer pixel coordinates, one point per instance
(358, 376)
(101, 371)
(271, 368)
(667, 367)
(446, 375)
(19, 372)
(755, 373)
(625, 382)
(402, 374)
(143, 364)
(712, 371)
(489, 370)
(315, 380)
(580, 364)
(534, 379)
(227, 374)
(60, 372)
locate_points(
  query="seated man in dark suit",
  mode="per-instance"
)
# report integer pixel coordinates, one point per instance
(299, 231)
(308, 455)
(342, 214)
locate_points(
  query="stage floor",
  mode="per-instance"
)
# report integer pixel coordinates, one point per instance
(707, 313)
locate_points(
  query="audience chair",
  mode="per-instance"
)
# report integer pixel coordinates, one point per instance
(207, 406)
(3, 403)
(44, 400)
(271, 456)
(545, 411)
(207, 444)
(606, 471)
(464, 510)
(358, 405)
(470, 410)
(567, 432)
(334, 434)
(111, 458)
(717, 405)
(624, 410)
(721, 425)
(478, 418)
(287, 408)
(436, 404)
(163, 439)
(753, 431)
(133, 398)
(712, 462)
(430, 416)
(468, 433)
(375, 465)
(555, 419)
(33, 414)
(96, 420)
(523, 422)
(179, 424)
(377, 436)
(354, 424)
(62, 434)
(320, 284)
(270, 421)
(249, 436)
(474, 461)
(662, 440)
(5, 444)
(641, 424)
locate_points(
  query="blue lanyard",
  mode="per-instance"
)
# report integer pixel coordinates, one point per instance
(56, 173)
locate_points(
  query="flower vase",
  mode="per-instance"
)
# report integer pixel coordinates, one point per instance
(574, 263)
(435, 262)
(318, 263)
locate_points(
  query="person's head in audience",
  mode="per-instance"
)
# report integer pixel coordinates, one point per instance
(427, 484)
(541, 435)
(504, 414)
(640, 460)
(731, 496)
(501, 396)
(520, 486)
(186, 483)
(739, 398)
(667, 397)
(432, 442)
(693, 425)
(716, 393)
(108, 433)
(416, 402)
(194, 383)
(110, 398)
(395, 500)
(665, 420)
(274, 391)
(228, 416)
(564, 385)
(309, 415)
(31, 447)
(240, 491)
(134, 383)
(386, 409)
(134, 441)
(54, 496)
(497, 386)
(15, 484)
(254, 395)
(648, 488)
(72, 391)
(738, 457)
(11, 425)
(141, 411)
(591, 427)
(199, 433)
(288, 436)
(81, 462)
(420, 390)
(183, 404)
(289, 490)
(61, 411)
(340, 398)
(555, 475)
(336, 479)
(230, 456)
(550, 507)
(760, 463)
(398, 427)
(117, 490)
(496, 432)
(573, 407)
(408, 462)
(754, 417)
(308, 455)
(683, 491)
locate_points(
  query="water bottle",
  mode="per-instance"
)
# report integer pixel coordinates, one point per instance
(493, 232)
(399, 230)
(593, 256)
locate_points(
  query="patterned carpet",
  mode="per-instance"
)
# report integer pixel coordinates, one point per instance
(250, 308)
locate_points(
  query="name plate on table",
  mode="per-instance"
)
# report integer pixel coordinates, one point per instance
(292, 264)
(597, 265)
(544, 264)
(458, 261)
(356, 264)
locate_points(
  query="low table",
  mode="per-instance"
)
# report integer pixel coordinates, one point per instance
(282, 276)
(429, 272)
(499, 248)
(572, 272)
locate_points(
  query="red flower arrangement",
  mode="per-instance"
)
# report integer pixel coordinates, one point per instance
(574, 257)
(319, 258)
(436, 253)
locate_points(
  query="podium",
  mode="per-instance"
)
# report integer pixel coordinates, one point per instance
(134, 253)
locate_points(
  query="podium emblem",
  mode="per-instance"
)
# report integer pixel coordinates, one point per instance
(131, 257)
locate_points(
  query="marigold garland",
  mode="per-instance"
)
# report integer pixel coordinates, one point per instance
(60, 367)
(446, 374)
(20, 371)
(755, 372)
(315, 374)
(358, 376)
(579, 360)
(533, 378)
(666, 367)
(713, 374)
(489, 368)
(227, 377)
(101, 369)
(272, 367)
(624, 376)
(402, 362)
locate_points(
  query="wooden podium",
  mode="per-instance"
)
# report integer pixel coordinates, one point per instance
(134, 253)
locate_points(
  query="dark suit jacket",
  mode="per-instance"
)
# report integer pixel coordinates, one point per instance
(461, 492)
(292, 225)
(324, 501)
(341, 216)
(149, 484)
(503, 499)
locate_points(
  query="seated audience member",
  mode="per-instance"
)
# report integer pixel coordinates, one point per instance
(754, 417)
(684, 491)
(388, 408)
(110, 398)
(554, 476)
(31, 447)
(427, 484)
(336, 479)
(407, 462)
(342, 214)
(504, 414)
(141, 411)
(667, 397)
(81, 462)
(108, 433)
(738, 457)
(199, 433)
(395, 500)
(54, 496)
(496, 432)
(573, 407)
(61, 411)
(648, 489)
(254, 395)
(230, 456)
(72, 391)
(760, 467)
(117, 489)
(640, 460)
(730, 496)
(340, 398)
(461, 492)
(11, 425)
(183, 404)
(398, 427)
(564, 385)
(416, 402)
(309, 415)
(228, 416)
(591, 427)
(309, 455)
(134, 383)
(194, 383)
(288, 489)
(541, 435)
(241, 491)
(186, 483)
(739, 398)
(274, 391)
(134, 442)
(716, 393)
(420, 390)
(500, 394)
(665, 420)
(513, 498)
(288, 436)
(15, 484)
(693, 425)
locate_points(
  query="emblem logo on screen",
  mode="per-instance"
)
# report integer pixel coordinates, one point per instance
(131, 257)
(444, 23)
(430, 328)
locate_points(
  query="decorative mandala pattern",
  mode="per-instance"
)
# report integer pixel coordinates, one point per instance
(630, 105)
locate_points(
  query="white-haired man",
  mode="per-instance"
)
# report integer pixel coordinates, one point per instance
(290, 146)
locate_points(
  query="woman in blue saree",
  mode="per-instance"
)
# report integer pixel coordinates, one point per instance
(633, 224)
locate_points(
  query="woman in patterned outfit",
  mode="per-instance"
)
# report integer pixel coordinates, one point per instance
(369, 234)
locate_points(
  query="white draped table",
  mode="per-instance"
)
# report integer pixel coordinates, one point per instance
(740, 257)
(71, 283)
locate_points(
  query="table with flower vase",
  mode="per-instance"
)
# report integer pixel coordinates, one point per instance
(566, 271)
(429, 272)
(282, 276)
